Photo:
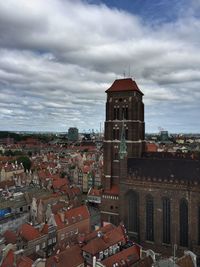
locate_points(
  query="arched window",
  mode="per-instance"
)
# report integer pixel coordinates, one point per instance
(117, 114)
(133, 212)
(117, 134)
(183, 223)
(149, 218)
(166, 220)
(126, 134)
(126, 113)
(114, 134)
(199, 225)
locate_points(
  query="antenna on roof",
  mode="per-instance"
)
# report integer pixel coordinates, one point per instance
(129, 70)
(124, 74)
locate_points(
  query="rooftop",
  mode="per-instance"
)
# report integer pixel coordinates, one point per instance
(124, 85)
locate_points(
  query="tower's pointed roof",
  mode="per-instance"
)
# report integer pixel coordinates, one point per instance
(124, 85)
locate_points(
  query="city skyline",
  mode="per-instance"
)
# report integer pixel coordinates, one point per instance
(58, 58)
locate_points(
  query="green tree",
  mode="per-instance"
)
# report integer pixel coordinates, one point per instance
(25, 161)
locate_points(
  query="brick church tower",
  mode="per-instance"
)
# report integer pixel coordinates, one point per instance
(124, 111)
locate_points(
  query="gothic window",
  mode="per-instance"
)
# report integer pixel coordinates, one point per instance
(117, 113)
(166, 220)
(116, 156)
(199, 225)
(133, 212)
(126, 113)
(114, 134)
(117, 134)
(183, 223)
(126, 134)
(149, 218)
(123, 113)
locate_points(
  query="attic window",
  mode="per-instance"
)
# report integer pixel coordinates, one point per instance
(101, 255)
(80, 217)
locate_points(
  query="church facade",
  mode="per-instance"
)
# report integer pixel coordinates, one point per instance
(157, 195)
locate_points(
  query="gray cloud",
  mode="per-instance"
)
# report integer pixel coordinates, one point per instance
(58, 57)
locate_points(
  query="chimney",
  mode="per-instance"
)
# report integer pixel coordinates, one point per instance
(94, 261)
(62, 216)
(106, 238)
(99, 234)
(56, 258)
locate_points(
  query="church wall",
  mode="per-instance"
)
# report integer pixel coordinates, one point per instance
(159, 190)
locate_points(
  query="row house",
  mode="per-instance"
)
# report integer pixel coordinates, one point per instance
(31, 240)
(72, 257)
(40, 206)
(125, 258)
(61, 230)
(94, 196)
(88, 176)
(105, 245)
(71, 224)
(10, 170)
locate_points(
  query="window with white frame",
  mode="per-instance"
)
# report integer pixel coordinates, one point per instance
(37, 248)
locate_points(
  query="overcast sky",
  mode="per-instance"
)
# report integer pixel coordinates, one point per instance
(58, 57)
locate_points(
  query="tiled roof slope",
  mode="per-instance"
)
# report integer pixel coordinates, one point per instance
(103, 242)
(70, 257)
(129, 255)
(185, 261)
(124, 85)
(183, 169)
(28, 232)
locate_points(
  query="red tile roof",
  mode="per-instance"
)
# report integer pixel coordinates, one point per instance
(185, 261)
(113, 191)
(25, 262)
(9, 259)
(77, 214)
(28, 232)
(45, 229)
(5, 184)
(58, 221)
(129, 256)
(95, 192)
(70, 257)
(151, 147)
(76, 191)
(103, 229)
(58, 206)
(10, 237)
(58, 183)
(105, 241)
(124, 85)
